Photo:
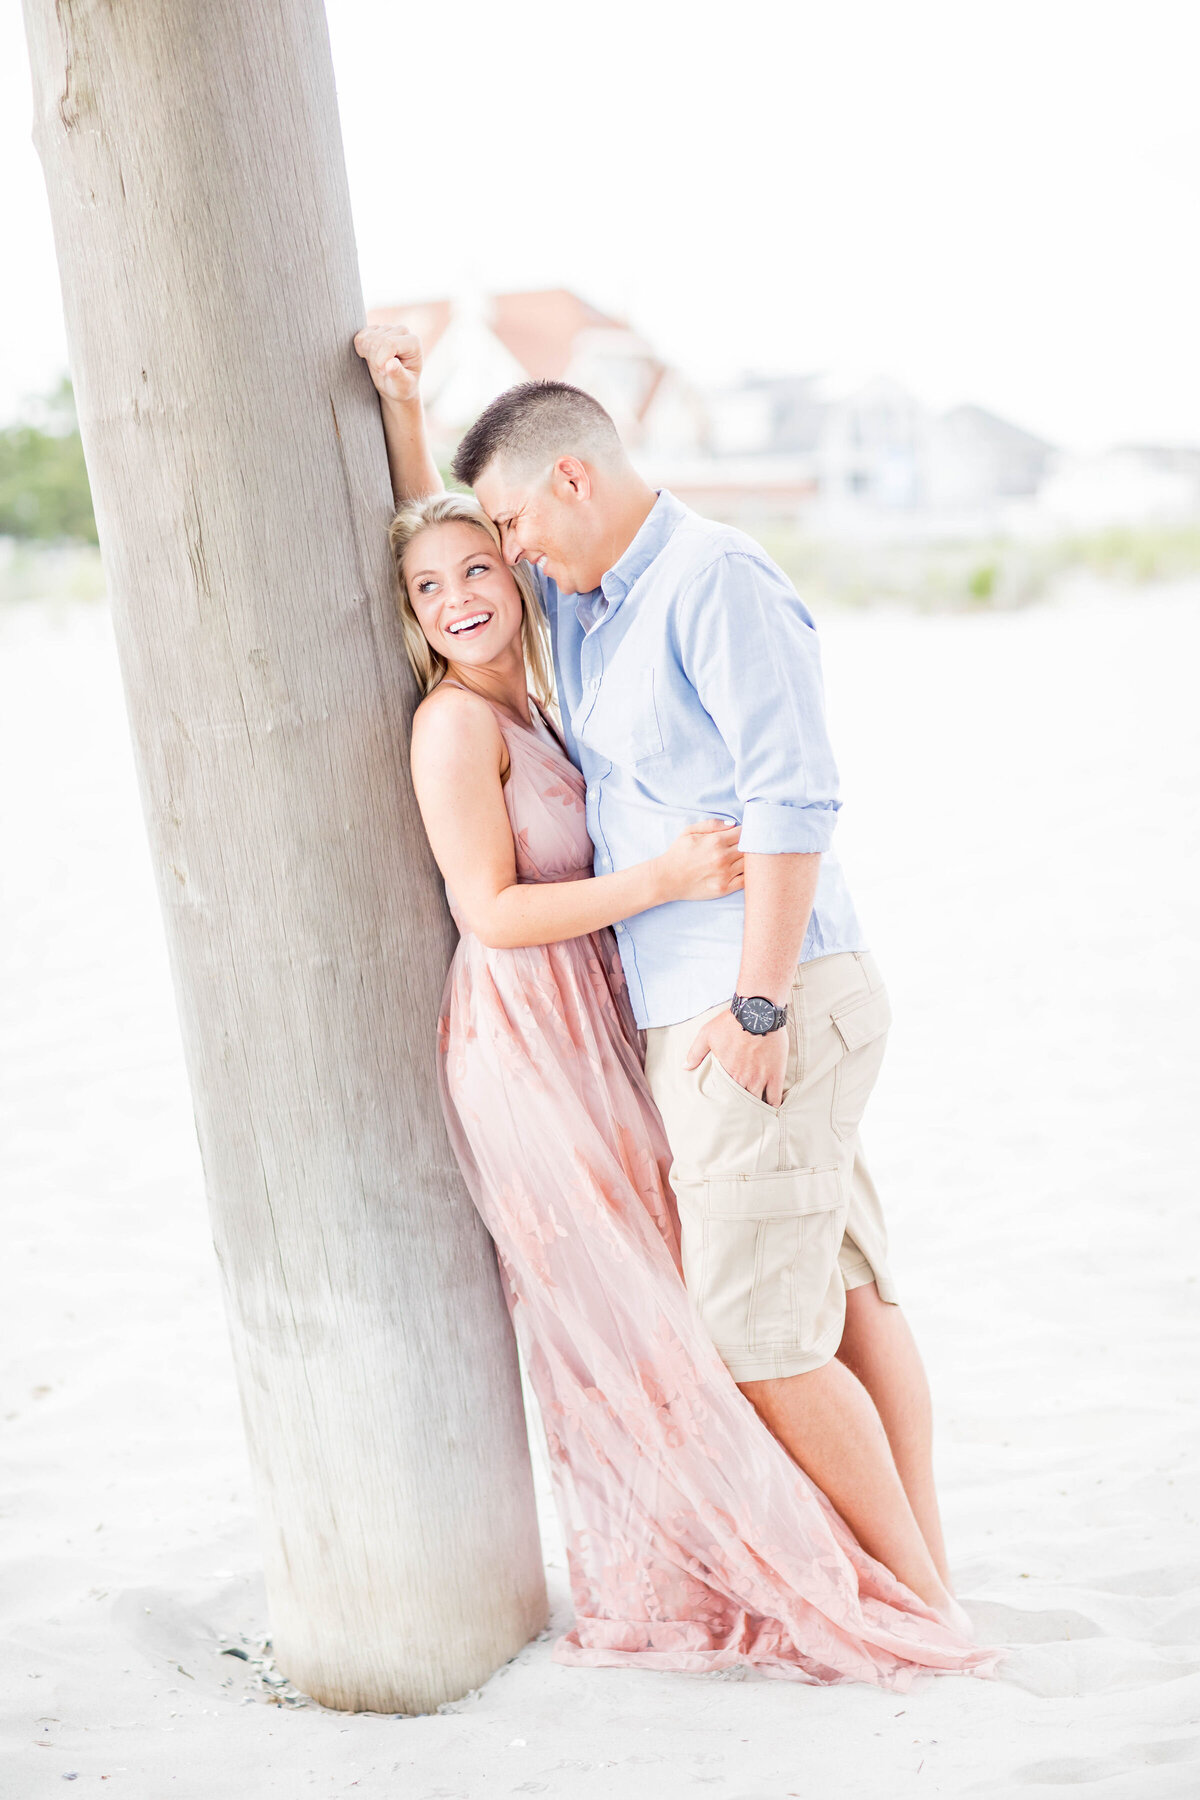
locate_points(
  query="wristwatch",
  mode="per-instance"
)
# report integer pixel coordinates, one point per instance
(756, 1015)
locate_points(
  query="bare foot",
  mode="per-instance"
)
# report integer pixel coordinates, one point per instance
(957, 1618)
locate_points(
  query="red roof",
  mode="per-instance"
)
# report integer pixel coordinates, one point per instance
(538, 329)
(428, 318)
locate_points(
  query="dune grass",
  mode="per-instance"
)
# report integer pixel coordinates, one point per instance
(950, 574)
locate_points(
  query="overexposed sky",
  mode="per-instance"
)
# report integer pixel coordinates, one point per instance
(991, 202)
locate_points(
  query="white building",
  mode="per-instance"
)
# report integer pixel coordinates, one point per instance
(477, 346)
(851, 452)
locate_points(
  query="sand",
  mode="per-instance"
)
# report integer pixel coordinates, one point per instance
(1020, 831)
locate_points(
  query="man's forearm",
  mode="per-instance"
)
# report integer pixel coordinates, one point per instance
(414, 472)
(779, 899)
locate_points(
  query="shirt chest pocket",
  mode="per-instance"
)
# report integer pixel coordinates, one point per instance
(631, 722)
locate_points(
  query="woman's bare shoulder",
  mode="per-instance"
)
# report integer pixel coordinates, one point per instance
(449, 707)
(456, 727)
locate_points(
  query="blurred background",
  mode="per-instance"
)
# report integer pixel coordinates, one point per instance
(910, 291)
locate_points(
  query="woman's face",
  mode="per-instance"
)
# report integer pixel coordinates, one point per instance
(463, 594)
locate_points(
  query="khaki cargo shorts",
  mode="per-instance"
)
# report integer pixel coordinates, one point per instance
(778, 1212)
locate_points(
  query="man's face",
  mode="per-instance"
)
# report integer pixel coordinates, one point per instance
(548, 519)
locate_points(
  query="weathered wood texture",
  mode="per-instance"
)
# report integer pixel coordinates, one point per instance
(193, 158)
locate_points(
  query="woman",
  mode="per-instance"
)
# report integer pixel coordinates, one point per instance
(693, 1539)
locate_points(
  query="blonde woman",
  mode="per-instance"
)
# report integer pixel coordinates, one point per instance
(693, 1539)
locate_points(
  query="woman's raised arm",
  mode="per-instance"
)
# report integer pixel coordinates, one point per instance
(394, 357)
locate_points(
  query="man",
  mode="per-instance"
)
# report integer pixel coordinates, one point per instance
(689, 681)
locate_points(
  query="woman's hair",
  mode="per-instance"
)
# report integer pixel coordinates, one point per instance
(429, 665)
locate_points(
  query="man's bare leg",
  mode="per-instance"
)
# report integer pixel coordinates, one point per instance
(878, 1346)
(827, 1421)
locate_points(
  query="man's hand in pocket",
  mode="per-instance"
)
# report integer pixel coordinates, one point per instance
(759, 1064)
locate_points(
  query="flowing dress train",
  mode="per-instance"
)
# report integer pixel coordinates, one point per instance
(693, 1540)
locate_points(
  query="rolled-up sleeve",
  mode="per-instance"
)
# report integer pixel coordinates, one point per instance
(749, 648)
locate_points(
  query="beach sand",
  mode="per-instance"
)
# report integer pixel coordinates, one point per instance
(1020, 833)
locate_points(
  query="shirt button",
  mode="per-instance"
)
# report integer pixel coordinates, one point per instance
(618, 926)
(593, 684)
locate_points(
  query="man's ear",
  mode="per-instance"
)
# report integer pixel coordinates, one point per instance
(572, 479)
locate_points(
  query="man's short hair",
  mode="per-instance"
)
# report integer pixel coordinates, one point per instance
(534, 423)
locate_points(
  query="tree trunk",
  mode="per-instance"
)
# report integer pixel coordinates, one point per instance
(193, 159)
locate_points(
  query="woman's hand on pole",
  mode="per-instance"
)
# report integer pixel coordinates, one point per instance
(394, 357)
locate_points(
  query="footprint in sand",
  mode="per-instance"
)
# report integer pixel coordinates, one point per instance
(998, 1624)
(1136, 1761)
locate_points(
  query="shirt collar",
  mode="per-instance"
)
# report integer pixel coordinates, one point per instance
(653, 534)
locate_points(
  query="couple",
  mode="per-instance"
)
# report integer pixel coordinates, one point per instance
(659, 1122)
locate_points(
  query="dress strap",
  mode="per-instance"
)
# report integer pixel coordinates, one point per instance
(536, 706)
(494, 704)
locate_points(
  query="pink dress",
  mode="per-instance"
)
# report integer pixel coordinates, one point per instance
(693, 1540)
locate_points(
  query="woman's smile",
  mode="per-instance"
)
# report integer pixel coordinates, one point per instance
(471, 626)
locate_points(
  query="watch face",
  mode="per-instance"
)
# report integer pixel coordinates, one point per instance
(757, 1016)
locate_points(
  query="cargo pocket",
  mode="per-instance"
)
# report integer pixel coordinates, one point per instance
(862, 1025)
(759, 1254)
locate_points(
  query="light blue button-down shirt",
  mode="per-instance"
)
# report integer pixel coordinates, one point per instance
(690, 688)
